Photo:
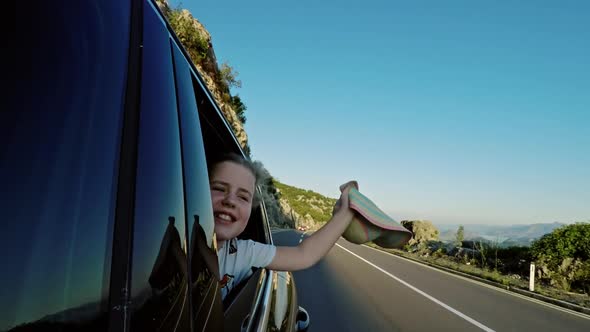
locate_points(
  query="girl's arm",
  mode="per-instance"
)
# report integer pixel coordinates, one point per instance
(316, 246)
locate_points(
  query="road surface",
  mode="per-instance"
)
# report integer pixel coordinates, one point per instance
(357, 288)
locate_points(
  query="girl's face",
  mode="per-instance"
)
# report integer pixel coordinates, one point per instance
(232, 191)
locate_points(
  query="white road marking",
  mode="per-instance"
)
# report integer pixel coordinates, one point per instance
(497, 289)
(456, 312)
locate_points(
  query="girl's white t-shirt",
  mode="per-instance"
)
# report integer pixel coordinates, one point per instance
(237, 257)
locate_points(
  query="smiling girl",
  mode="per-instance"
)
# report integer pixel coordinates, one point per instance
(233, 180)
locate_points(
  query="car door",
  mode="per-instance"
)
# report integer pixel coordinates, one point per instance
(60, 128)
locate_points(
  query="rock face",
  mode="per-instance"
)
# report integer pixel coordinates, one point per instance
(298, 220)
(209, 70)
(423, 230)
(306, 208)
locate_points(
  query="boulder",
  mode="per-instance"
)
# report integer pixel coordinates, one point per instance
(423, 230)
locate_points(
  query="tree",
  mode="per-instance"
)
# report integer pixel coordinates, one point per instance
(239, 108)
(229, 76)
(568, 241)
(460, 236)
(495, 246)
(483, 251)
(563, 256)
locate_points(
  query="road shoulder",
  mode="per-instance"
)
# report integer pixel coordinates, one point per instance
(526, 293)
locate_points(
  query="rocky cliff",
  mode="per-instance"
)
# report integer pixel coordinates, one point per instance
(305, 207)
(197, 41)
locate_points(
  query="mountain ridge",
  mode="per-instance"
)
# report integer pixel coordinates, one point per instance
(504, 235)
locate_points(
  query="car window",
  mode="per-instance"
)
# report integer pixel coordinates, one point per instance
(218, 139)
(204, 271)
(159, 264)
(58, 165)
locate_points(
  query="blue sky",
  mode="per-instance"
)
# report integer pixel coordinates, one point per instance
(451, 111)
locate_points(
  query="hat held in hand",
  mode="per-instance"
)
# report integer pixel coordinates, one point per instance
(371, 224)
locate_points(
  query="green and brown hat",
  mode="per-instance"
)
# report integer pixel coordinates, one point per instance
(371, 224)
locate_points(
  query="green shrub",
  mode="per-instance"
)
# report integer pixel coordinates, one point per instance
(514, 260)
(239, 108)
(563, 256)
(229, 76)
(440, 252)
(581, 278)
(191, 38)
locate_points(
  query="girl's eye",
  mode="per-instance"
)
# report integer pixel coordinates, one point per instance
(245, 198)
(217, 188)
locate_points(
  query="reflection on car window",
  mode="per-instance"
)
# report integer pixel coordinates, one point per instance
(204, 265)
(159, 277)
(58, 166)
(196, 177)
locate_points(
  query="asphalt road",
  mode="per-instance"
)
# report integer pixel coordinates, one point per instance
(356, 288)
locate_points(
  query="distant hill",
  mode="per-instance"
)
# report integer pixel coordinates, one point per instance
(505, 235)
(305, 207)
(308, 208)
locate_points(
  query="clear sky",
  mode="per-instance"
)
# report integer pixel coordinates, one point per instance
(451, 111)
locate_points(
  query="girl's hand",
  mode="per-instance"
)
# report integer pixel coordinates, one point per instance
(343, 200)
(317, 245)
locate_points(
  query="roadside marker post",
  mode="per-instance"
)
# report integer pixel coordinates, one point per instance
(532, 278)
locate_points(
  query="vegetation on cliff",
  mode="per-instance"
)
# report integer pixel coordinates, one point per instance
(305, 207)
(196, 40)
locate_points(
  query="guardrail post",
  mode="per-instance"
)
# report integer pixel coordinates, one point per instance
(532, 278)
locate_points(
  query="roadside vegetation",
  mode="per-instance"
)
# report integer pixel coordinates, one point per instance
(561, 258)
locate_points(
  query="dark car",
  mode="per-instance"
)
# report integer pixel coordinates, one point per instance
(107, 218)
